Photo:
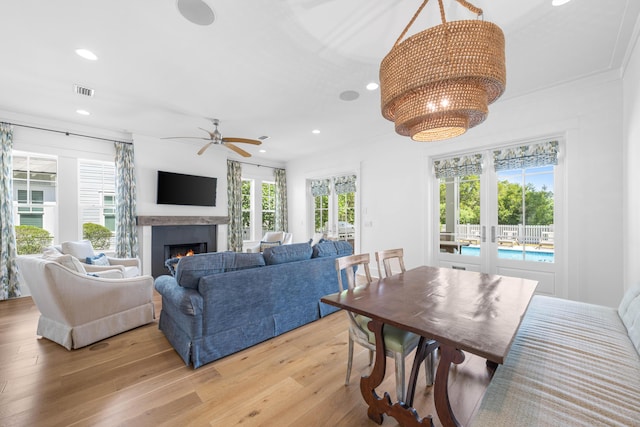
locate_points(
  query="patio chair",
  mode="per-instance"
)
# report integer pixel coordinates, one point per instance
(398, 343)
(546, 240)
(509, 238)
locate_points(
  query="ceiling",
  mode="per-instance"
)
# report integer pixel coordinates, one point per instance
(274, 68)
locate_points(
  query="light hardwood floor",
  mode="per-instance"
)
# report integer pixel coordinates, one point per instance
(136, 379)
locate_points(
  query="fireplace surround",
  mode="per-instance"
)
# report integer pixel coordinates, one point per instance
(161, 237)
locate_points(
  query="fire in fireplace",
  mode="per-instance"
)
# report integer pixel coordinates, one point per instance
(180, 250)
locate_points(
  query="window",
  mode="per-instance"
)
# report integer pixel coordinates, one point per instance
(34, 186)
(525, 213)
(268, 206)
(346, 215)
(97, 187)
(247, 208)
(459, 213)
(321, 213)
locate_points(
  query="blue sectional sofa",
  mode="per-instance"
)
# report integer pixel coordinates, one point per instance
(216, 304)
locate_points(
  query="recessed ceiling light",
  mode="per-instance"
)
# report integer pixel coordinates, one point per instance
(372, 86)
(263, 150)
(315, 131)
(559, 2)
(83, 112)
(87, 54)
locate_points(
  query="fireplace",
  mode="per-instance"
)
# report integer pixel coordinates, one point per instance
(179, 240)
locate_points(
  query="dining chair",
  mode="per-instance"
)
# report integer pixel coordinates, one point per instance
(398, 343)
(386, 256)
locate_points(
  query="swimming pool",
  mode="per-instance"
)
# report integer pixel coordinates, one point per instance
(515, 254)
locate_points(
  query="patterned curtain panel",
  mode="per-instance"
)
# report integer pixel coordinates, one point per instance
(345, 184)
(9, 286)
(234, 193)
(470, 164)
(126, 228)
(282, 223)
(526, 156)
(320, 187)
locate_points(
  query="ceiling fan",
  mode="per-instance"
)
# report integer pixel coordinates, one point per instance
(216, 138)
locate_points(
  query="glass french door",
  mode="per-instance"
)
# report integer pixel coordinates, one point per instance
(334, 207)
(498, 212)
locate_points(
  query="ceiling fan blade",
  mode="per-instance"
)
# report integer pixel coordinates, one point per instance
(211, 136)
(236, 149)
(242, 140)
(202, 150)
(185, 137)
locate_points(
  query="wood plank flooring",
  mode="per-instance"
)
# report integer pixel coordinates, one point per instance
(137, 379)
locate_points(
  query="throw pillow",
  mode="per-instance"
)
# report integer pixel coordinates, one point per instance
(68, 261)
(80, 250)
(100, 259)
(265, 245)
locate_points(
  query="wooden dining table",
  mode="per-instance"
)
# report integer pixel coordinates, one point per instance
(460, 310)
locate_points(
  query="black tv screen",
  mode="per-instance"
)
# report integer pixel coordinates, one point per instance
(182, 189)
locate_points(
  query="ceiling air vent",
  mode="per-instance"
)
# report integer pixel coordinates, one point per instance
(81, 90)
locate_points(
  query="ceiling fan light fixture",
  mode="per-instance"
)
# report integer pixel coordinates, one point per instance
(439, 82)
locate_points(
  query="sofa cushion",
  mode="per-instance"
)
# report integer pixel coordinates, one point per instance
(332, 248)
(191, 268)
(80, 249)
(629, 312)
(287, 253)
(66, 260)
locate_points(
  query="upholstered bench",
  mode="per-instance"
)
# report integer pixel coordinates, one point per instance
(571, 364)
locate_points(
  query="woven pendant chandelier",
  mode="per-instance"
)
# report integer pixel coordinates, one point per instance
(439, 82)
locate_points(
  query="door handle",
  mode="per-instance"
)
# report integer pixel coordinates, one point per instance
(493, 234)
(483, 234)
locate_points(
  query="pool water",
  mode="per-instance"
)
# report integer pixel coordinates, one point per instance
(535, 256)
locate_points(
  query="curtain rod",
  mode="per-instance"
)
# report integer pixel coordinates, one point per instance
(68, 133)
(255, 164)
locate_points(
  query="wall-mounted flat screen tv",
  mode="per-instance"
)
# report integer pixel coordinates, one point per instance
(182, 189)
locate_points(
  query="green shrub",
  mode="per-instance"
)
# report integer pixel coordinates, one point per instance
(97, 234)
(31, 239)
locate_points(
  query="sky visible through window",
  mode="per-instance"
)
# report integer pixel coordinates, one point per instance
(539, 177)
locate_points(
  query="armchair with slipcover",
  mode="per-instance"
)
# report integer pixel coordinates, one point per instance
(79, 308)
(271, 238)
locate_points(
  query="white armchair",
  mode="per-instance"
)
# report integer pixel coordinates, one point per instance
(270, 238)
(78, 308)
(83, 250)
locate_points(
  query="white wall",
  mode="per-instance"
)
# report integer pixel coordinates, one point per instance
(631, 127)
(396, 178)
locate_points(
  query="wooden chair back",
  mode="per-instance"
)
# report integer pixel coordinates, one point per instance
(347, 263)
(386, 256)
